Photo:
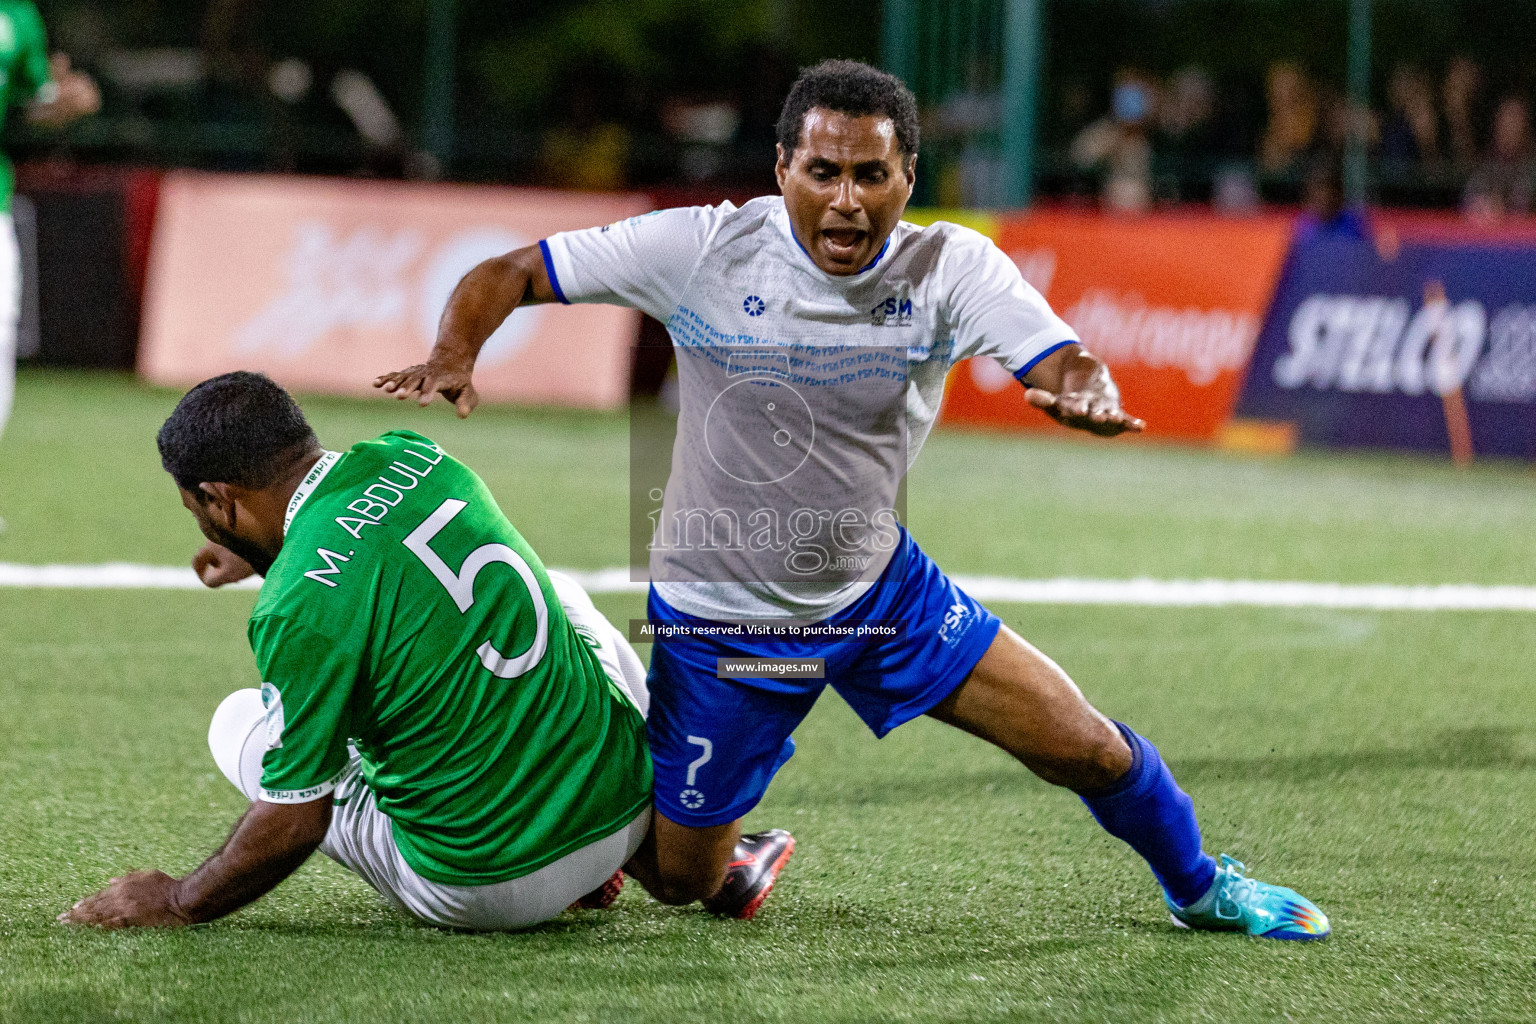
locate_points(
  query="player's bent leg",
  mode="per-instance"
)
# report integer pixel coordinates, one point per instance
(679, 864)
(1020, 700)
(612, 648)
(731, 874)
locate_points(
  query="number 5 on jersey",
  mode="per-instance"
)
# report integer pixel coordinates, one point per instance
(461, 587)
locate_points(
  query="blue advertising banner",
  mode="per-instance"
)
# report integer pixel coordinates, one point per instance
(1429, 350)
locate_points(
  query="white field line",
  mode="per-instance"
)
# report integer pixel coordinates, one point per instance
(106, 576)
(1157, 593)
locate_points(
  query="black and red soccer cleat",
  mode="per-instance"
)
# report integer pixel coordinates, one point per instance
(750, 875)
(603, 896)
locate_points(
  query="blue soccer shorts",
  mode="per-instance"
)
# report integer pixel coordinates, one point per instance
(717, 743)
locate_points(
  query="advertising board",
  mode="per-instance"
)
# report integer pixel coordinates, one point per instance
(324, 284)
(1173, 303)
(1430, 347)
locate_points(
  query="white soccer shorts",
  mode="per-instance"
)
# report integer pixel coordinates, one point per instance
(10, 312)
(362, 840)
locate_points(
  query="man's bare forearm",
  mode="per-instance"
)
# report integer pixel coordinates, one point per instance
(267, 845)
(485, 297)
(1073, 386)
(1068, 370)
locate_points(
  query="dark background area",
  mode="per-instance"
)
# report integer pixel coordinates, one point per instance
(540, 83)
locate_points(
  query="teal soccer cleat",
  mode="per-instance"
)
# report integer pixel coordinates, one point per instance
(1237, 903)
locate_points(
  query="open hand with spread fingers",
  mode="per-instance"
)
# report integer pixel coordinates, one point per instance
(140, 899)
(1094, 411)
(1074, 388)
(425, 381)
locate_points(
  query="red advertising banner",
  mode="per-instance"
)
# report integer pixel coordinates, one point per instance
(1172, 303)
(324, 284)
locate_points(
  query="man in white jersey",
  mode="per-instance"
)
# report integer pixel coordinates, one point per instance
(813, 333)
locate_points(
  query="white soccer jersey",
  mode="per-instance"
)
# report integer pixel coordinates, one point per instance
(804, 396)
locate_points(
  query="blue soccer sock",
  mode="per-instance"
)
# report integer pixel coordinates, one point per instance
(1149, 811)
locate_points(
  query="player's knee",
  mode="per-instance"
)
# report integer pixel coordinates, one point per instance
(237, 738)
(1089, 762)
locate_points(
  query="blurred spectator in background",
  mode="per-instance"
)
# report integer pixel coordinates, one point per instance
(769, 73)
(1324, 214)
(702, 131)
(53, 94)
(385, 153)
(1502, 185)
(1117, 146)
(1292, 124)
(1460, 97)
(1410, 137)
(584, 148)
(1185, 144)
(965, 120)
(1340, 120)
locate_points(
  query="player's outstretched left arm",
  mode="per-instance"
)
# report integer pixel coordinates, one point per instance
(268, 844)
(1073, 387)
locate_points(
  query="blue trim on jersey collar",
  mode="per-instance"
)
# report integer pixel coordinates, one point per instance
(549, 268)
(1020, 374)
(868, 266)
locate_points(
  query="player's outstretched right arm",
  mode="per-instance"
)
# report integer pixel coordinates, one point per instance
(268, 844)
(485, 297)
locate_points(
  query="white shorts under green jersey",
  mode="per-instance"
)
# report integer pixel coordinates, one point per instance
(406, 616)
(361, 838)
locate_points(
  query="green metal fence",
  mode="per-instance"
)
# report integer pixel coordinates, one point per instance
(991, 54)
(986, 54)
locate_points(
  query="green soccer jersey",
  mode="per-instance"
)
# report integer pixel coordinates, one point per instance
(407, 616)
(23, 70)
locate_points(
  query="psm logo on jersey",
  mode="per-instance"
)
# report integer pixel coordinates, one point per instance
(956, 621)
(892, 312)
(753, 305)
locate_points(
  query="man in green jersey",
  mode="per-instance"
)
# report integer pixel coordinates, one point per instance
(54, 95)
(439, 714)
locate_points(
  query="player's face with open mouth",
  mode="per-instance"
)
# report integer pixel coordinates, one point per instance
(845, 187)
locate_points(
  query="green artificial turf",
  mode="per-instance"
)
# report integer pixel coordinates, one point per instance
(1384, 764)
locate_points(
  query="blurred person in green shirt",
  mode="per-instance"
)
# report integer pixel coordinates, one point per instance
(54, 95)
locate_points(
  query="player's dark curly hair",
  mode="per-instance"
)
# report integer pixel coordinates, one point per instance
(852, 88)
(238, 428)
